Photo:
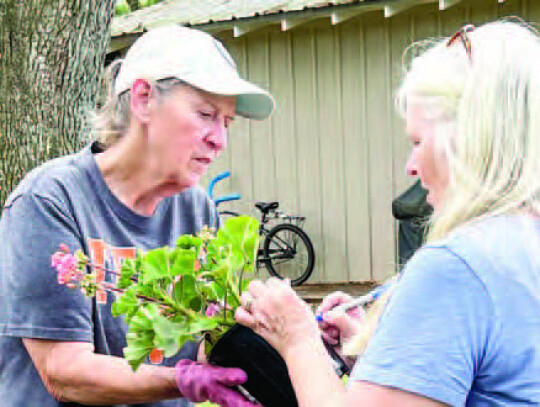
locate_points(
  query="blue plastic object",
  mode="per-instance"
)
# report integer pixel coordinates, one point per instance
(225, 198)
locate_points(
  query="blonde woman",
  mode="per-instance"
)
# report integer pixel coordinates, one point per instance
(462, 327)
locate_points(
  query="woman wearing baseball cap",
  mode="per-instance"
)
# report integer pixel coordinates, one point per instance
(135, 188)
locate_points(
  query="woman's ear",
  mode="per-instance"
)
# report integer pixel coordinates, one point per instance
(141, 98)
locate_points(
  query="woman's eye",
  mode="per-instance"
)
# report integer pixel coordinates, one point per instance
(416, 143)
(205, 115)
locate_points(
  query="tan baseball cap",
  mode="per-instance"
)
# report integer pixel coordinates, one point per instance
(196, 58)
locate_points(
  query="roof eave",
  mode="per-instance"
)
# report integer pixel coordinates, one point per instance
(287, 20)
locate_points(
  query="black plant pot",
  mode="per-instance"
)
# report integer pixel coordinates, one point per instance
(268, 379)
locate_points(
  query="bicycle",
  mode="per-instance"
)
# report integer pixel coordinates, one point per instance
(286, 250)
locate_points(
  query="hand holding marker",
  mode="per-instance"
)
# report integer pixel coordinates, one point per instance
(360, 301)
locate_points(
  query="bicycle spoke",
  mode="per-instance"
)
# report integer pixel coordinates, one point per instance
(288, 253)
(288, 246)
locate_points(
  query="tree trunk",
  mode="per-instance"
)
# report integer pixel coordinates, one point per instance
(52, 55)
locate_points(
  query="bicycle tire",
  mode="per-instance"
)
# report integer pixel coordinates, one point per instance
(281, 266)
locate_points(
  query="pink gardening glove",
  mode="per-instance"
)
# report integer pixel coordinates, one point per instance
(200, 382)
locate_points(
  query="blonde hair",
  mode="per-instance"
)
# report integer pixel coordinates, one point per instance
(493, 99)
(486, 112)
(114, 117)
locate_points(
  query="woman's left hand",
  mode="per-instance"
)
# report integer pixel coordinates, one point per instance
(274, 311)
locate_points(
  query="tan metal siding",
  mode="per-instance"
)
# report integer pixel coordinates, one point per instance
(333, 257)
(308, 140)
(356, 154)
(335, 150)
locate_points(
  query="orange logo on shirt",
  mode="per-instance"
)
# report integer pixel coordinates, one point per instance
(156, 356)
(107, 256)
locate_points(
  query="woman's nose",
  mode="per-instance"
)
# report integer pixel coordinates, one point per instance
(411, 167)
(217, 137)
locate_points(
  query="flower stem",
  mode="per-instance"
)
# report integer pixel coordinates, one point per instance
(109, 287)
(116, 273)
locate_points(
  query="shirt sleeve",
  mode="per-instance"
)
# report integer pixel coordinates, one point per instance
(32, 302)
(433, 332)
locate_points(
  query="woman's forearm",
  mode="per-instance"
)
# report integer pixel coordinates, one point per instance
(71, 371)
(101, 379)
(312, 375)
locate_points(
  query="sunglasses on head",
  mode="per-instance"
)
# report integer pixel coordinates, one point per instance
(462, 34)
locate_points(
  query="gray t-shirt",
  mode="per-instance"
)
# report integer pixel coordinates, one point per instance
(67, 201)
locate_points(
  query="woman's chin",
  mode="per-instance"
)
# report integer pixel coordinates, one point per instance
(430, 199)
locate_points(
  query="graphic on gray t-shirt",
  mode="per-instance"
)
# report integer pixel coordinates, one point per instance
(67, 201)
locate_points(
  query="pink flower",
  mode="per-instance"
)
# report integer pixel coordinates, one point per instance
(213, 309)
(66, 264)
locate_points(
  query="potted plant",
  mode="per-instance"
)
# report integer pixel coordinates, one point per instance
(172, 295)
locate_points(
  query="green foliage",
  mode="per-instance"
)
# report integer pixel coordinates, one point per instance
(147, 3)
(125, 7)
(122, 7)
(167, 291)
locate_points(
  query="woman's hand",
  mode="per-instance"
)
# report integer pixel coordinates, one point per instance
(338, 327)
(274, 311)
(201, 382)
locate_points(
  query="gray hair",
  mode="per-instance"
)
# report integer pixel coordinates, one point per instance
(112, 120)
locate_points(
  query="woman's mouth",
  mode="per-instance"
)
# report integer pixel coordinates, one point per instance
(204, 160)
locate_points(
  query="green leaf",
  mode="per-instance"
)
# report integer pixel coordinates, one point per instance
(185, 290)
(242, 235)
(196, 303)
(135, 356)
(243, 232)
(127, 303)
(168, 335)
(156, 265)
(140, 345)
(212, 292)
(126, 273)
(244, 285)
(150, 290)
(202, 324)
(251, 245)
(189, 242)
(183, 261)
(139, 323)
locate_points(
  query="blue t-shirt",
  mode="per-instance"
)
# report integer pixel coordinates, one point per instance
(463, 325)
(67, 201)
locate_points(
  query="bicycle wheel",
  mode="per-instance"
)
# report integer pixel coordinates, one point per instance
(289, 253)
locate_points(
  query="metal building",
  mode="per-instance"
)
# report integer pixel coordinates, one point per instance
(335, 150)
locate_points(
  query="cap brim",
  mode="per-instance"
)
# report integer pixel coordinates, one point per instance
(252, 101)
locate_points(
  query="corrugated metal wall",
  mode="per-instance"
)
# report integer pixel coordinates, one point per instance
(335, 151)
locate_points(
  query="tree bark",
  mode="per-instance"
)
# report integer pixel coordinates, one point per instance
(52, 56)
